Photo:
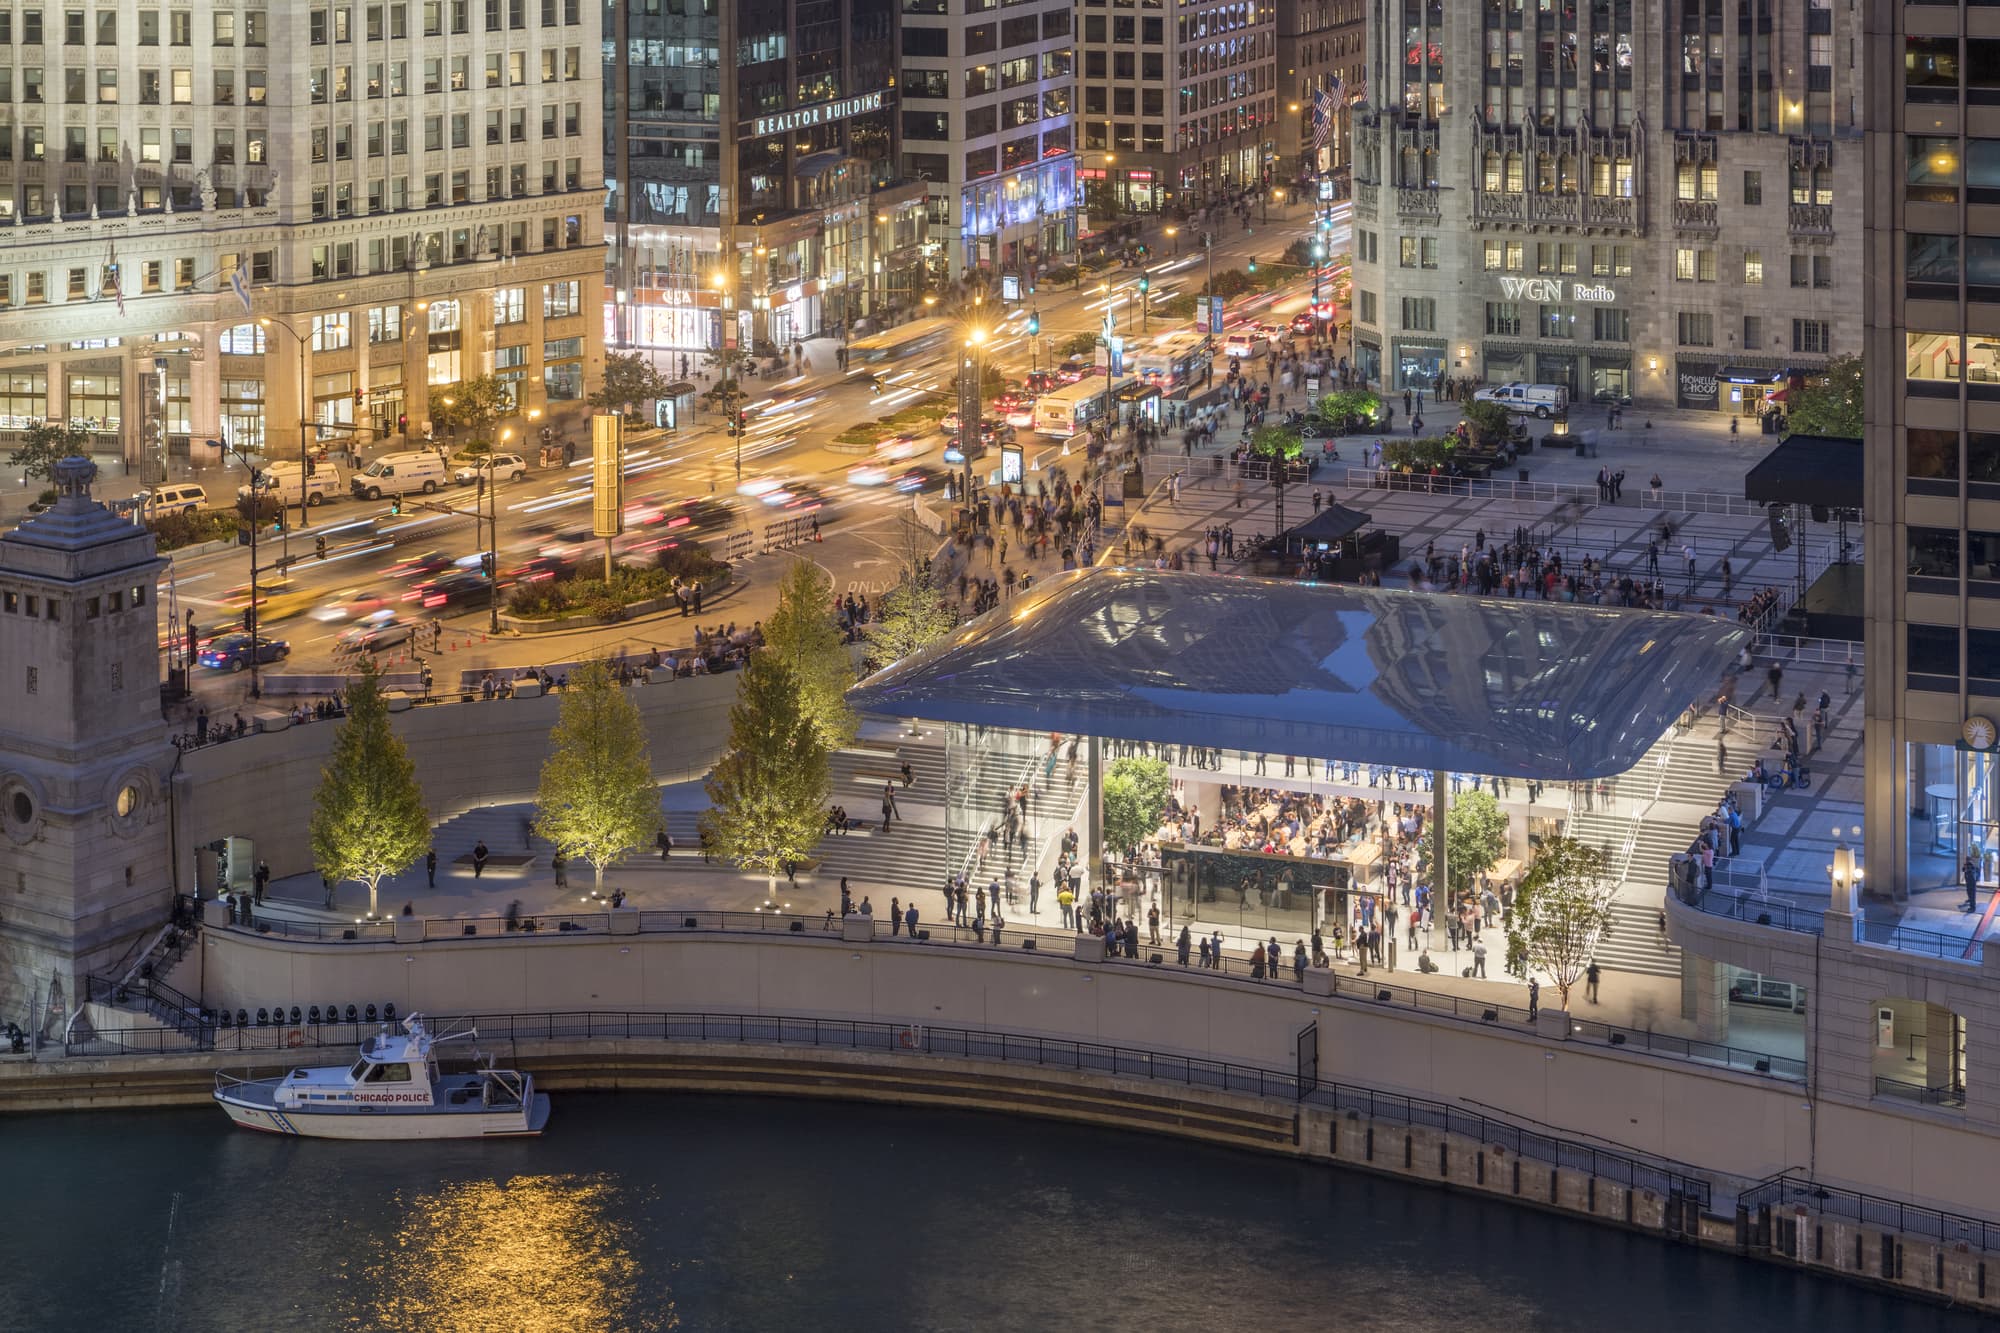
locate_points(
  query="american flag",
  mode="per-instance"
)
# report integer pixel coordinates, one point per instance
(117, 292)
(1322, 112)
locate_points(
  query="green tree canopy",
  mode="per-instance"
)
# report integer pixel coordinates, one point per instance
(597, 800)
(768, 794)
(43, 444)
(1560, 912)
(1276, 442)
(1487, 420)
(1475, 836)
(910, 616)
(630, 378)
(472, 405)
(1829, 403)
(1344, 403)
(368, 817)
(1135, 794)
(801, 634)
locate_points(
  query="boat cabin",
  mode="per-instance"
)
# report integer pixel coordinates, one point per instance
(393, 1070)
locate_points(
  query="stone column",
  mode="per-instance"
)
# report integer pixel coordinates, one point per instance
(1709, 982)
(1939, 1025)
(1093, 829)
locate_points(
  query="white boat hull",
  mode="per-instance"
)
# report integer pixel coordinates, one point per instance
(384, 1125)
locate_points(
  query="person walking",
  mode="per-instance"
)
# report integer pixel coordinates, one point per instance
(1478, 957)
(889, 806)
(665, 842)
(1590, 976)
(1970, 875)
(431, 866)
(479, 855)
(560, 865)
(1534, 998)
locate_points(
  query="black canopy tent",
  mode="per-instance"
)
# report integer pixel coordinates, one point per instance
(1334, 523)
(1823, 471)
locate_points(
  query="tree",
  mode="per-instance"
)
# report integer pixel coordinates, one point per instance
(1134, 796)
(1561, 910)
(368, 818)
(629, 379)
(801, 634)
(1829, 403)
(1278, 446)
(46, 442)
(473, 404)
(913, 614)
(1475, 836)
(1487, 420)
(597, 800)
(767, 795)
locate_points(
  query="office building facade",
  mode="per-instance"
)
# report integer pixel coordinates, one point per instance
(1179, 104)
(988, 126)
(1932, 497)
(1320, 45)
(225, 220)
(755, 192)
(1562, 195)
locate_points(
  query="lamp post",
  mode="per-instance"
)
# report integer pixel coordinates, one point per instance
(1173, 235)
(490, 483)
(304, 464)
(250, 612)
(969, 424)
(730, 365)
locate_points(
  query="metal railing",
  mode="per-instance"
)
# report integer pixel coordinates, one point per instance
(1766, 909)
(1952, 1094)
(914, 1039)
(1385, 478)
(1793, 1190)
(1369, 988)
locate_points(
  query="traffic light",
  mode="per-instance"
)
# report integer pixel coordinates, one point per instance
(1034, 323)
(486, 563)
(360, 399)
(319, 547)
(402, 423)
(1145, 282)
(1253, 263)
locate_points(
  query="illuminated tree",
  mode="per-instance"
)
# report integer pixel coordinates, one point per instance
(1560, 912)
(597, 800)
(368, 818)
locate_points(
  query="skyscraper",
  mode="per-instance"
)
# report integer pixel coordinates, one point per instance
(1569, 194)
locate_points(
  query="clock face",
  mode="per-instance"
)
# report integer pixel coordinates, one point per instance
(1979, 733)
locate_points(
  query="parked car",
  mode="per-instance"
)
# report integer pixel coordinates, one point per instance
(235, 652)
(1543, 400)
(379, 631)
(503, 467)
(177, 499)
(1246, 344)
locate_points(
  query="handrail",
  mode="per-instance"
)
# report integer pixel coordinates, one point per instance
(1765, 909)
(1634, 1169)
(1372, 988)
(1796, 1189)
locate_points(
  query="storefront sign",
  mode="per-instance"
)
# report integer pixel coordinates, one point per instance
(1551, 289)
(823, 113)
(1696, 385)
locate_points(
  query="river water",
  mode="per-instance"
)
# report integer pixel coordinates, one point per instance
(654, 1212)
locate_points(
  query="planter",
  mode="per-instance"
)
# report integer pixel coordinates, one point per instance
(589, 620)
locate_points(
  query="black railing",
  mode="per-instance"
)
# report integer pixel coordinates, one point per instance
(1950, 1094)
(1373, 987)
(1790, 1190)
(1630, 1169)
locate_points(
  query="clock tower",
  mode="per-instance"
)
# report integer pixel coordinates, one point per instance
(85, 860)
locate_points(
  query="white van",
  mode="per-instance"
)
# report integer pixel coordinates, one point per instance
(183, 498)
(1543, 400)
(282, 481)
(399, 474)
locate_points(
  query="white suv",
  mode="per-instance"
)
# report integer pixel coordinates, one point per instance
(502, 467)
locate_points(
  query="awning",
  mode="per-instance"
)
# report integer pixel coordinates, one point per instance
(1776, 395)
(1750, 375)
(1334, 523)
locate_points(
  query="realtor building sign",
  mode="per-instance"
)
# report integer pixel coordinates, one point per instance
(821, 113)
(1551, 289)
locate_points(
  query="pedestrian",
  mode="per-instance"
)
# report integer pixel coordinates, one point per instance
(1590, 975)
(1034, 893)
(431, 866)
(909, 775)
(910, 919)
(867, 907)
(895, 917)
(1534, 998)
(1185, 945)
(1152, 924)
(1970, 874)
(259, 878)
(889, 800)
(1478, 957)
(665, 842)
(479, 855)
(560, 865)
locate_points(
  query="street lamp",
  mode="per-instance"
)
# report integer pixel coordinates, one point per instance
(304, 467)
(489, 482)
(969, 424)
(729, 364)
(1173, 234)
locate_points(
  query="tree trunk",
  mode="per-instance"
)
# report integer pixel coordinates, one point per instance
(373, 886)
(597, 875)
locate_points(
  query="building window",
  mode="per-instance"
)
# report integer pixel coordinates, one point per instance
(1812, 335)
(330, 333)
(385, 324)
(560, 299)
(1503, 319)
(1420, 314)
(1753, 188)
(510, 305)
(1611, 326)
(1753, 267)
(1696, 329)
(1557, 321)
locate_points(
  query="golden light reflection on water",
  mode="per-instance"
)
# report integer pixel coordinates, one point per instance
(533, 1254)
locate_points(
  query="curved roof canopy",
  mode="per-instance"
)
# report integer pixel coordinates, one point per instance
(1525, 689)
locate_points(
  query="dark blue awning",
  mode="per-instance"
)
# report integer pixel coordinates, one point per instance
(1524, 689)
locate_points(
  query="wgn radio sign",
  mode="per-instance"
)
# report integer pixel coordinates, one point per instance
(1551, 289)
(806, 117)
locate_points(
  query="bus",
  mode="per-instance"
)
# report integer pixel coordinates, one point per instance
(1072, 408)
(917, 340)
(1172, 362)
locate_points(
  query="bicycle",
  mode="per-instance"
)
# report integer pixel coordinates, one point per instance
(1799, 777)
